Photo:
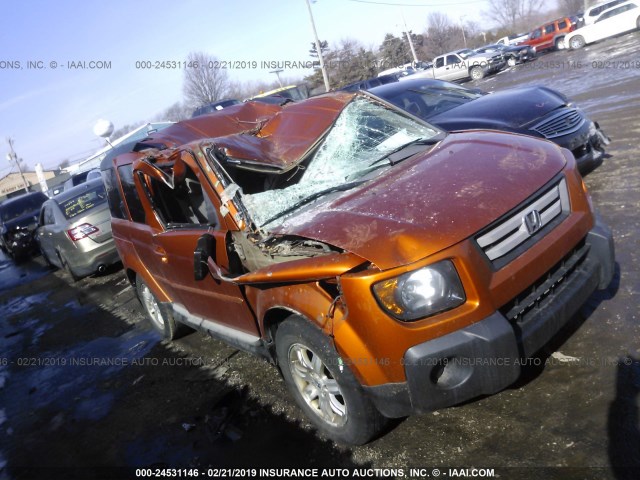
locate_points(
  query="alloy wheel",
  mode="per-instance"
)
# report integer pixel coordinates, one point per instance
(317, 386)
(152, 307)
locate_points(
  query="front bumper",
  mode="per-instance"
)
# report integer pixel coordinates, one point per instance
(21, 245)
(586, 144)
(486, 357)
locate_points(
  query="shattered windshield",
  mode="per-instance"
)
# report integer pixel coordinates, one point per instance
(364, 133)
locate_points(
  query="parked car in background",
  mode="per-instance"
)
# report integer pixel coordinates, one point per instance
(81, 177)
(462, 65)
(212, 107)
(402, 70)
(621, 18)
(513, 39)
(550, 35)
(513, 54)
(371, 82)
(388, 268)
(592, 13)
(536, 110)
(74, 230)
(18, 220)
(282, 95)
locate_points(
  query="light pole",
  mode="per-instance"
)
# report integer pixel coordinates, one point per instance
(325, 77)
(464, 38)
(278, 72)
(12, 157)
(413, 50)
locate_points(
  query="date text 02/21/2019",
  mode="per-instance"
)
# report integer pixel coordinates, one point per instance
(224, 64)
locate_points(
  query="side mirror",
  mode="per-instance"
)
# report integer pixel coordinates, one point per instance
(205, 248)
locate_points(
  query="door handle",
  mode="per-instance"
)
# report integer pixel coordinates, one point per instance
(158, 250)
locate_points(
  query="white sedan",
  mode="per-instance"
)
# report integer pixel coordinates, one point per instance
(613, 21)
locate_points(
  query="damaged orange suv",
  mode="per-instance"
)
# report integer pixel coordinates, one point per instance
(388, 268)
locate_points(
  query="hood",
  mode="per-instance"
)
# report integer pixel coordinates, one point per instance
(26, 220)
(513, 109)
(484, 56)
(432, 200)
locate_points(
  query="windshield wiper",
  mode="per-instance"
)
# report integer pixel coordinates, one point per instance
(312, 197)
(393, 157)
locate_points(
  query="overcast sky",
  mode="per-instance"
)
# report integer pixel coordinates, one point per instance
(49, 107)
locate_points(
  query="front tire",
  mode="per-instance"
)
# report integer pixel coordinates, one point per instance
(476, 73)
(323, 386)
(159, 316)
(577, 42)
(559, 44)
(48, 262)
(511, 61)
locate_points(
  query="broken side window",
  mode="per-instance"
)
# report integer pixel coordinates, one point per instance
(181, 201)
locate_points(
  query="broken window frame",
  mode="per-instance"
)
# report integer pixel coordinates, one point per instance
(146, 170)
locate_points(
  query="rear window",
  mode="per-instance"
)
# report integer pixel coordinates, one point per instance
(83, 203)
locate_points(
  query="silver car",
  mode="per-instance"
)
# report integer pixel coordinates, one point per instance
(74, 230)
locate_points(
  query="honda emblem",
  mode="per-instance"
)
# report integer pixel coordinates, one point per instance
(532, 221)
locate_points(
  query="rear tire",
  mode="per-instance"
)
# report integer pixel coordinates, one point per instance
(323, 386)
(67, 268)
(559, 43)
(577, 42)
(160, 317)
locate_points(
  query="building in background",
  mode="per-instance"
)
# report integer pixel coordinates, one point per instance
(11, 185)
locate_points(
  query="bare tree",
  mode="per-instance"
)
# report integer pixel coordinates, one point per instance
(570, 7)
(514, 14)
(176, 112)
(205, 83)
(442, 35)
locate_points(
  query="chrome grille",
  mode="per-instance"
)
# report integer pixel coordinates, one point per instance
(526, 223)
(559, 124)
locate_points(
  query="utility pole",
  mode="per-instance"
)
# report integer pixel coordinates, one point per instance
(464, 38)
(325, 77)
(413, 50)
(11, 156)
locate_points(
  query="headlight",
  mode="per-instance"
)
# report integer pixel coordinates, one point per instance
(421, 293)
